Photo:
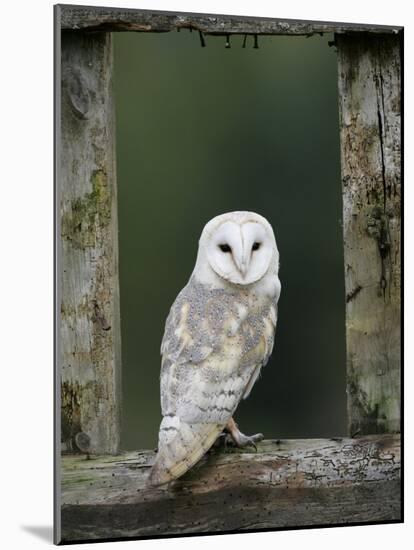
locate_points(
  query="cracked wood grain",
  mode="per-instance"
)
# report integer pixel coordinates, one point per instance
(90, 330)
(285, 484)
(370, 132)
(119, 19)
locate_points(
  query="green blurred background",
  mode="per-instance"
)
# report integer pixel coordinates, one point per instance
(202, 131)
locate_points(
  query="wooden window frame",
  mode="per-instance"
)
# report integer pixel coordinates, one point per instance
(289, 483)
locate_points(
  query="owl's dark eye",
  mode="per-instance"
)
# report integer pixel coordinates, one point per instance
(225, 247)
(256, 246)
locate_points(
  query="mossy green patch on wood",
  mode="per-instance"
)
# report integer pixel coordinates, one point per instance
(70, 411)
(76, 480)
(90, 214)
(74, 397)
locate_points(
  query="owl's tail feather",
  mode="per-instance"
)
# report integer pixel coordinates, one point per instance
(188, 446)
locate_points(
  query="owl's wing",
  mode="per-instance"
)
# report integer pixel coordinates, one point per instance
(269, 328)
(187, 336)
(206, 368)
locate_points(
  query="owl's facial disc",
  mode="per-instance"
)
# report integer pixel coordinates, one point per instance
(240, 253)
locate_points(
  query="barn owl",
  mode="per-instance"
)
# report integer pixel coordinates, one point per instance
(218, 335)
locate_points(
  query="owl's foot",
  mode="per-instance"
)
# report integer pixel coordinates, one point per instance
(239, 439)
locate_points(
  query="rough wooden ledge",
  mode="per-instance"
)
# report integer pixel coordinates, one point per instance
(121, 19)
(285, 484)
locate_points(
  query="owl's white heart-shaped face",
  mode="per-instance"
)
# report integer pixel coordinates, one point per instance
(239, 247)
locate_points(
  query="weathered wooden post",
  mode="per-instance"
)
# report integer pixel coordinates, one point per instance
(369, 72)
(90, 327)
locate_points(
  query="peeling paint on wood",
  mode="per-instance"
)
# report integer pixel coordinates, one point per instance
(370, 122)
(285, 484)
(121, 19)
(90, 330)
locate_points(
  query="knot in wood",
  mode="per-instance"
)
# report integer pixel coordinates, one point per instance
(78, 93)
(83, 441)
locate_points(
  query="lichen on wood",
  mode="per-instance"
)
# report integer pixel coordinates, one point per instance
(370, 131)
(89, 311)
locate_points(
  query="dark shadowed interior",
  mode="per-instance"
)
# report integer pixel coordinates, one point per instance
(202, 131)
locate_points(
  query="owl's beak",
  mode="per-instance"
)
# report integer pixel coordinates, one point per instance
(239, 266)
(243, 264)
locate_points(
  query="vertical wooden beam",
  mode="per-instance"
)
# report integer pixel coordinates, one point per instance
(370, 121)
(90, 323)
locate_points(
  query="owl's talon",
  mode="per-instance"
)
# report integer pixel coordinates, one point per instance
(248, 441)
(241, 440)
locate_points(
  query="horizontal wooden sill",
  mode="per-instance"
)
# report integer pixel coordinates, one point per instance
(287, 483)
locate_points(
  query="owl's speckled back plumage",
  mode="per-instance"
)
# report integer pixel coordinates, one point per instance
(217, 337)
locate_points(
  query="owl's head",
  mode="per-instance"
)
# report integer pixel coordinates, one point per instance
(238, 247)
